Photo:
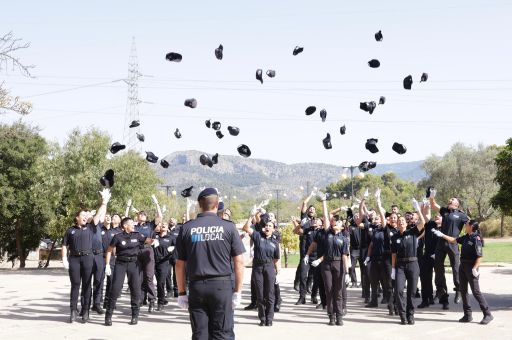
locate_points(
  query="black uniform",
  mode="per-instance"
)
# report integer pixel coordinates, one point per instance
(404, 246)
(207, 245)
(471, 250)
(162, 256)
(171, 285)
(147, 262)
(79, 242)
(453, 221)
(307, 270)
(266, 250)
(98, 268)
(127, 247)
(359, 241)
(426, 251)
(332, 247)
(277, 238)
(380, 264)
(106, 238)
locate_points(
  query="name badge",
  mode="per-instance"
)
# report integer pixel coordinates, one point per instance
(470, 243)
(165, 240)
(397, 241)
(134, 240)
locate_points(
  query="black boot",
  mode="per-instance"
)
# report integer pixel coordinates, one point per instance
(402, 320)
(73, 315)
(108, 318)
(487, 318)
(314, 300)
(431, 301)
(456, 299)
(331, 320)
(97, 308)
(151, 306)
(251, 306)
(467, 317)
(372, 304)
(135, 317)
(339, 321)
(160, 307)
(423, 304)
(410, 319)
(390, 310)
(85, 316)
(300, 301)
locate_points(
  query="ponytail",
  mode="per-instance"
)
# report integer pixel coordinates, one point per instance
(475, 227)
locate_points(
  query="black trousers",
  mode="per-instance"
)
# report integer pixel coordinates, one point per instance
(359, 256)
(98, 273)
(264, 277)
(466, 276)
(410, 272)
(452, 250)
(332, 274)
(108, 286)
(210, 309)
(162, 271)
(319, 281)
(277, 295)
(80, 272)
(380, 272)
(306, 274)
(147, 272)
(132, 271)
(426, 264)
(170, 282)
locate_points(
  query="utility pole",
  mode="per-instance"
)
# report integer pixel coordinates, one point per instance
(132, 104)
(167, 187)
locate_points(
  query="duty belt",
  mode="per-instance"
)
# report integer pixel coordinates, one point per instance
(333, 258)
(379, 258)
(211, 278)
(259, 262)
(79, 253)
(96, 252)
(126, 258)
(407, 259)
(468, 260)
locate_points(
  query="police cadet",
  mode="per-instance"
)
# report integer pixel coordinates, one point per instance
(107, 233)
(453, 220)
(162, 254)
(427, 245)
(171, 285)
(266, 265)
(78, 240)
(307, 213)
(127, 246)
(470, 258)
(98, 268)
(405, 264)
(205, 248)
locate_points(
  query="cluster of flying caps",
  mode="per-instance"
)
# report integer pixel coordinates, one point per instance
(371, 145)
(204, 159)
(408, 80)
(192, 103)
(366, 165)
(151, 157)
(164, 163)
(368, 106)
(116, 147)
(187, 192)
(219, 52)
(173, 56)
(107, 180)
(297, 50)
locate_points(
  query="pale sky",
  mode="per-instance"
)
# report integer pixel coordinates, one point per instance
(464, 46)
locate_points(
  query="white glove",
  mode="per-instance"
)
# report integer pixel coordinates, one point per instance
(189, 203)
(170, 249)
(366, 193)
(313, 193)
(321, 195)
(475, 272)
(135, 210)
(433, 193)
(344, 208)
(415, 204)
(153, 198)
(65, 262)
(183, 301)
(129, 203)
(93, 212)
(254, 211)
(315, 263)
(347, 279)
(433, 256)
(366, 261)
(263, 203)
(393, 273)
(164, 209)
(377, 193)
(236, 299)
(155, 243)
(306, 260)
(105, 195)
(277, 279)
(358, 201)
(262, 211)
(437, 233)
(108, 270)
(426, 202)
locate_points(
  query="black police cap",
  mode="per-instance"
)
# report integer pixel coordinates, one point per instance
(216, 126)
(368, 106)
(310, 110)
(204, 159)
(371, 145)
(221, 206)
(271, 73)
(215, 158)
(207, 192)
(297, 50)
(173, 56)
(141, 137)
(187, 192)
(134, 123)
(382, 100)
(327, 142)
(219, 52)
(399, 148)
(259, 75)
(244, 150)
(424, 77)
(408, 82)
(323, 114)
(233, 130)
(208, 123)
(343, 130)
(429, 191)
(365, 166)
(177, 133)
(107, 180)
(150, 157)
(192, 103)
(164, 164)
(116, 147)
(378, 36)
(374, 63)
(219, 134)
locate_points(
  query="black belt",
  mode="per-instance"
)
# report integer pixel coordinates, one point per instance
(211, 278)
(407, 259)
(379, 258)
(126, 258)
(468, 261)
(96, 252)
(259, 262)
(79, 253)
(334, 258)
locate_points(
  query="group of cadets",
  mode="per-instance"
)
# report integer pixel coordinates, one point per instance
(393, 251)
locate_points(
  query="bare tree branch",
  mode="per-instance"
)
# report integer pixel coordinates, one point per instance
(9, 45)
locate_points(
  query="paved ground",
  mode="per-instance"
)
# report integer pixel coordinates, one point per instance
(34, 304)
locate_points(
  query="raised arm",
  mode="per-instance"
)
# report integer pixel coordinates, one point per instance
(128, 206)
(433, 202)
(326, 212)
(421, 223)
(297, 230)
(159, 214)
(247, 226)
(306, 201)
(102, 210)
(382, 212)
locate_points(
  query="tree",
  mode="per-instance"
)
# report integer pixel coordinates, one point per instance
(8, 47)
(503, 197)
(466, 173)
(290, 242)
(24, 211)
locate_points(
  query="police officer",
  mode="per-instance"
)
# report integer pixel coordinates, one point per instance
(453, 221)
(470, 258)
(266, 265)
(205, 248)
(98, 268)
(107, 233)
(405, 264)
(427, 247)
(78, 240)
(307, 213)
(127, 246)
(171, 285)
(162, 254)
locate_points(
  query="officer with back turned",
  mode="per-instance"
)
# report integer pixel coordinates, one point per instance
(205, 248)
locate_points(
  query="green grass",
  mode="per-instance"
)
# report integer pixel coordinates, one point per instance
(494, 251)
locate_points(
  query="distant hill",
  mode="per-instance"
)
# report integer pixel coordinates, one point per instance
(249, 177)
